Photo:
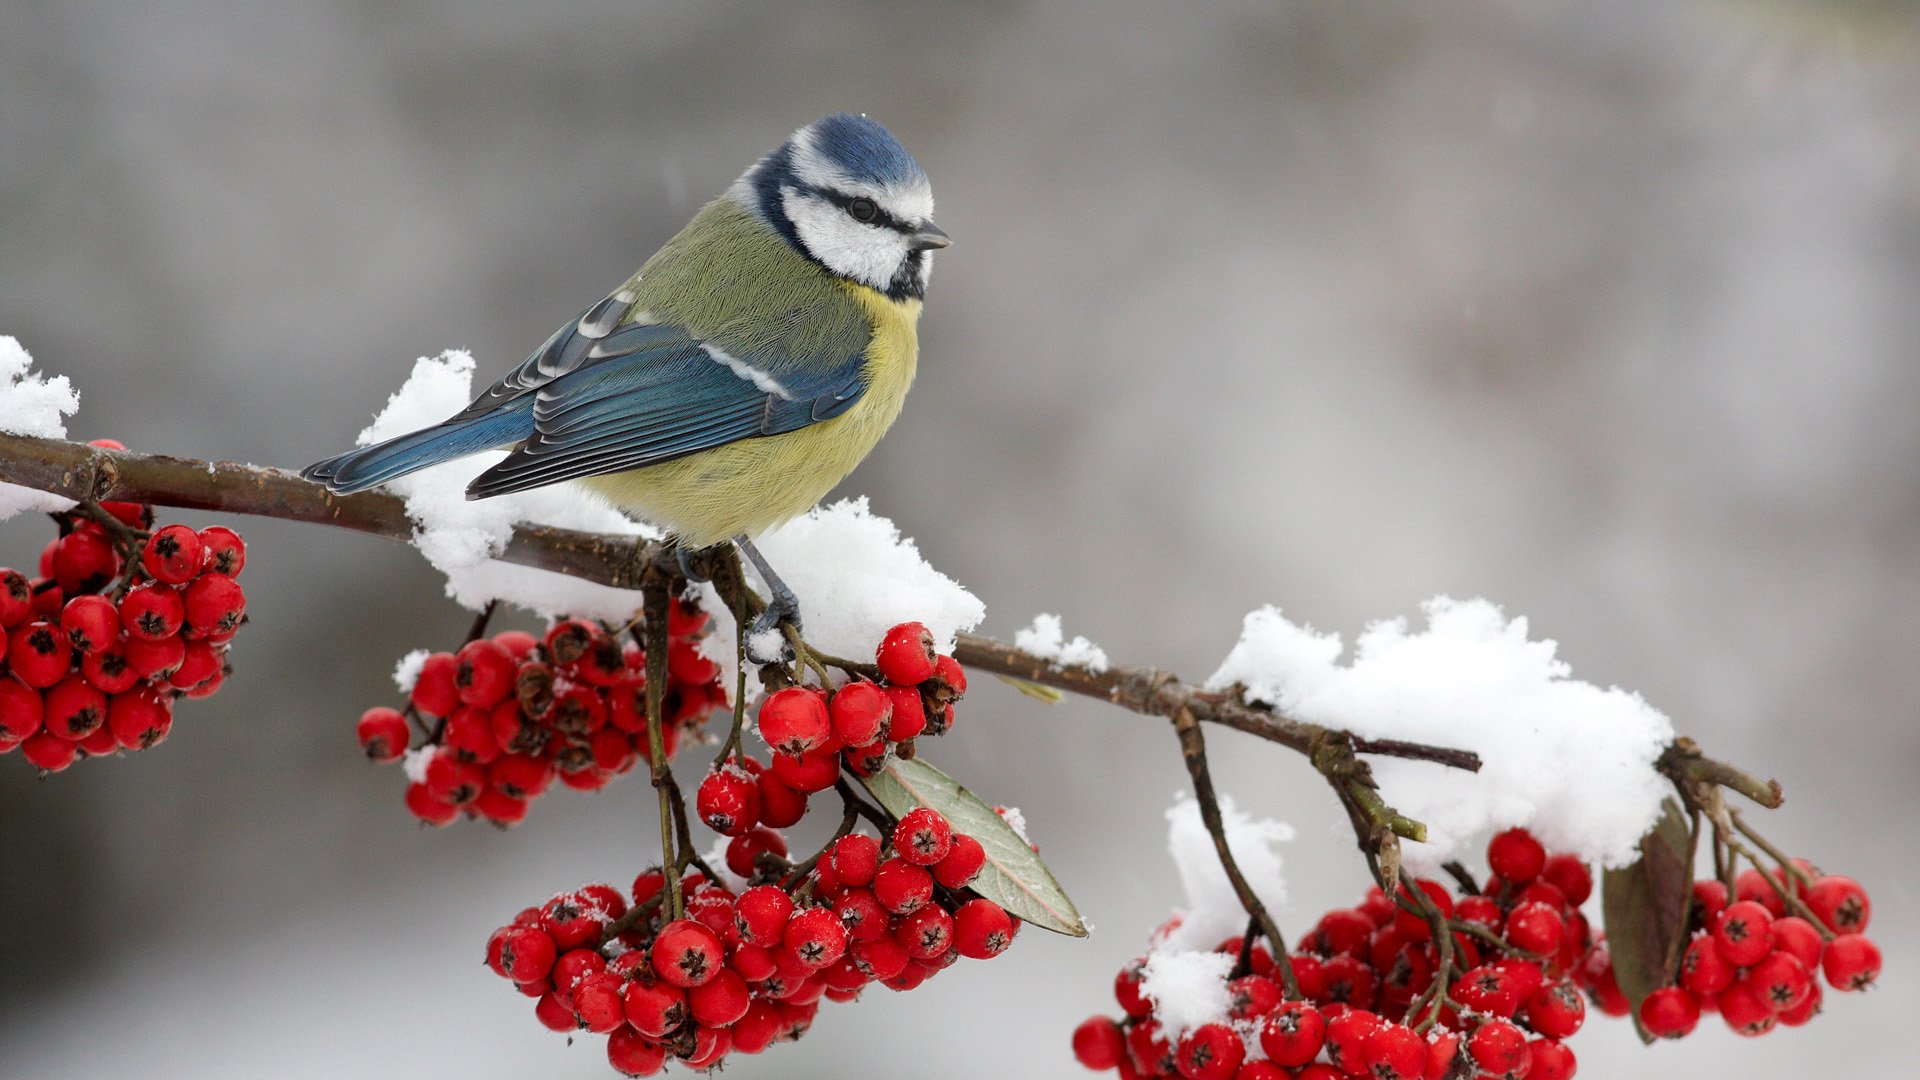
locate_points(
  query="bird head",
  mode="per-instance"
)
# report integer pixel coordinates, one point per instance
(845, 193)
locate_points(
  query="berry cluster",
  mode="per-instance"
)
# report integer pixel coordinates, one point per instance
(511, 713)
(815, 732)
(123, 619)
(741, 970)
(1756, 956)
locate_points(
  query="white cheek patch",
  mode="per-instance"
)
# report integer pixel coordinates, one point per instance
(869, 254)
(911, 203)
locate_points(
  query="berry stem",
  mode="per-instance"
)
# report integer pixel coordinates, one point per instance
(1765, 845)
(1462, 877)
(655, 598)
(849, 816)
(480, 622)
(1193, 751)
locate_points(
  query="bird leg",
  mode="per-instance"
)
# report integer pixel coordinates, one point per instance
(782, 606)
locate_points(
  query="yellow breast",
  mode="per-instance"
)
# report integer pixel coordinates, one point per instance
(749, 486)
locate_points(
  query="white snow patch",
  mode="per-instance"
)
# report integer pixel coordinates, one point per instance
(856, 577)
(1213, 911)
(1015, 820)
(1188, 988)
(462, 537)
(1046, 640)
(407, 672)
(415, 761)
(31, 404)
(1568, 759)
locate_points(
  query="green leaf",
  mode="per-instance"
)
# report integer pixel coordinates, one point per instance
(1645, 907)
(1013, 877)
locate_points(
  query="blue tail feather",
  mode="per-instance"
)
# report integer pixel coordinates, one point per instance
(370, 466)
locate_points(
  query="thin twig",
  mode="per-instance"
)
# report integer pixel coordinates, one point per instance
(656, 598)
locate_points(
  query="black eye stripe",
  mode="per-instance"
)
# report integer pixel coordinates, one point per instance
(880, 215)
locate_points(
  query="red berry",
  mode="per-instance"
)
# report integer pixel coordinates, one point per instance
(720, 1001)
(951, 677)
(686, 953)
(215, 604)
(962, 864)
(1571, 876)
(902, 887)
(1126, 990)
(855, 858)
(866, 761)
(1347, 1038)
(1851, 962)
(1535, 928)
(923, 836)
(1210, 1052)
(1744, 1011)
(794, 721)
(16, 598)
(1488, 989)
(982, 929)
(83, 561)
(1780, 980)
(527, 954)
(927, 933)
(49, 752)
(728, 801)
(1841, 903)
(90, 622)
(555, 1013)
(1516, 856)
(1744, 933)
(1499, 1048)
(21, 710)
(434, 692)
(1703, 970)
(173, 555)
(199, 662)
(906, 655)
(1709, 900)
(1758, 887)
(907, 712)
(781, 805)
(1098, 1043)
(152, 611)
(1804, 1011)
(1394, 1052)
(1556, 1011)
(1799, 938)
(155, 659)
(860, 712)
(39, 653)
(1670, 1012)
(743, 851)
(813, 771)
(1349, 981)
(633, 1054)
(815, 938)
(761, 914)
(1551, 1061)
(654, 1008)
(74, 709)
(1293, 1035)
(224, 551)
(429, 808)
(483, 673)
(383, 734)
(569, 640)
(597, 1002)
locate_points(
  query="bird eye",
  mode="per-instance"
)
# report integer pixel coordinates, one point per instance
(863, 209)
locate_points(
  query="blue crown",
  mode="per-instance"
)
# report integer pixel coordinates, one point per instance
(865, 149)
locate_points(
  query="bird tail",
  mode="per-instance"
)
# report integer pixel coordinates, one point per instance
(369, 466)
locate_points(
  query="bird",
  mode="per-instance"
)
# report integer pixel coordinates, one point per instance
(744, 370)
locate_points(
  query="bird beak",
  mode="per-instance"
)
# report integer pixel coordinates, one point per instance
(928, 237)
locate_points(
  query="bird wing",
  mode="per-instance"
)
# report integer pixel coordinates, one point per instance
(646, 393)
(570, 347)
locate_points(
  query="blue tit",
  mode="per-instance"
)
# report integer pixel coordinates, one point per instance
(739, 375)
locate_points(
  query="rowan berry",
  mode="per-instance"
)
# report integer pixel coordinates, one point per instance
(926, 933)
(74, 709)
(1293, 1035)
(1744, 933)
(867, 761)
(39, 653)
(906, 655)
(907, 712)
(83, 561)
(223, 550)
(1744, 1011)
(923, 836)
(90, 622)
(1851, 962)
(1556, 1010)
(382, 733)
(781, 805)
(1349, 981)
(1347, 1037)
(1798, 937)
(686, 953)
(633, 1054)
(1499, 1048)
(1209, 1052)
(1535, 928)
(962, 864)
(1516, 856)
(1841, 903)
(902, 887)
(720, 1001)
(21, 710)
(16, 598)
(815, 938)
(728, 801)
(1251, 997)
(1099, 1044)
(744, 851)
(813, 771)
(49, 752)
(500, 808)
(982, 929)
(214, 605)
(434, 692)
(1804, 1011)
(861, 914)
(155, 660)
(1780, 980)
(794, 721)
(1670, 1012)
(1571, 876)
(527, 954)
(199, 662)
(1550, 1060)
(1394, 1052)
(173, 554)
(1703, 971)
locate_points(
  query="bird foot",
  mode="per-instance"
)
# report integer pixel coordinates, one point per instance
(766, 640)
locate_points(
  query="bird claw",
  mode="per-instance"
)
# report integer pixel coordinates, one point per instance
(766, 642)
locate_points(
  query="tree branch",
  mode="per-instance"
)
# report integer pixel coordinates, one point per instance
(82, 472)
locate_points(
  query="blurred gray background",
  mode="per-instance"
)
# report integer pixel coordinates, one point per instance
(1604, 311)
